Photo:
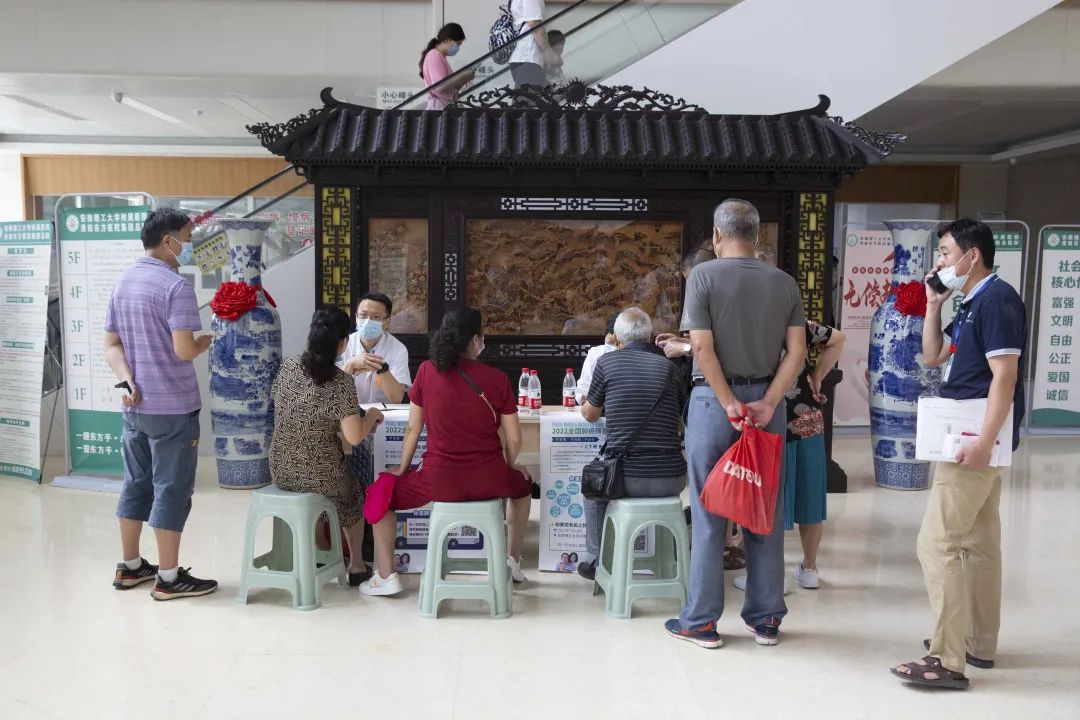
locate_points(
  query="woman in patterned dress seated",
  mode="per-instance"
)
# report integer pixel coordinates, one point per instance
(315, 402)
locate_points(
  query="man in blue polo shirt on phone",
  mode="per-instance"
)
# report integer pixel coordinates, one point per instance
(959, 543)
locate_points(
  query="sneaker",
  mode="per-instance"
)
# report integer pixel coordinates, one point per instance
(767, 632)
(587, 570)
(515, 569)
(739, 582)
(126, 578)
(185, 585)
(379, 585)
(703, 635)
(806, 578)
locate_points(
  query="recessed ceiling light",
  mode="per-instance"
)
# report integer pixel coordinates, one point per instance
(46, 108)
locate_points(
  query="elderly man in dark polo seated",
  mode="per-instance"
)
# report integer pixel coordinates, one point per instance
(625, 385)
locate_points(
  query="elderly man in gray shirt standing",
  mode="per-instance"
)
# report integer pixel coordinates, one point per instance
(749, 343)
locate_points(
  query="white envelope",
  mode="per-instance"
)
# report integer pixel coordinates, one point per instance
(945, 425)
(1001, 456)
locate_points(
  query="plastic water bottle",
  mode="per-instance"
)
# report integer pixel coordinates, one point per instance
(523, 392)
(536, 400)
(569, 391)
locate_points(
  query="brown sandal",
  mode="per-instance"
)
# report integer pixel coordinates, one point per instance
(734, 558)
(971, 659)
(918, 670)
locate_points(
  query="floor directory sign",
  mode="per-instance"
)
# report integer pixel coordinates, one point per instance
(96, 246)
(1055, 398)
(411, 541)
(25, 253)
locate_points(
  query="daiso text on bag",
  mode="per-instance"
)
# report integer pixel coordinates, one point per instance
(742, 486)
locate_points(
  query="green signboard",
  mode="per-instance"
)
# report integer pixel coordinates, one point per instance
(1055, 400)
(25, 254)
(96, 246)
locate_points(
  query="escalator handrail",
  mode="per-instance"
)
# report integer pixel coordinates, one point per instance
(475, 63)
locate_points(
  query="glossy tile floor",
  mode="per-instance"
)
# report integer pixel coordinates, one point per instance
(70, 646)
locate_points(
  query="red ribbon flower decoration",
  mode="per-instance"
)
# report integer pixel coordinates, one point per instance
(202, 218)
(911, 298)
(233, 299)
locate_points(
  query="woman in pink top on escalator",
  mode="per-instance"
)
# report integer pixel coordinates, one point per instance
(434, 67)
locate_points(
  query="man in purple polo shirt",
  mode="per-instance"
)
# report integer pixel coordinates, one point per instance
(150, 344)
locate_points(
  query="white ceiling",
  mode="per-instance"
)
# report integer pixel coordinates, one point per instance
(211, 109)
(216, 65)
(1018, 94)
(215, 78)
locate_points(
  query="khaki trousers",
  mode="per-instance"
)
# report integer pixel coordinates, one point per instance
(959, 548)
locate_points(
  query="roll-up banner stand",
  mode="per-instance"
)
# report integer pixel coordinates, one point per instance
(1054, 380)
(26, 252)
(98, 237)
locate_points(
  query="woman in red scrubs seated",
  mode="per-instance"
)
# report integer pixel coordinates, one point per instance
(464, 403)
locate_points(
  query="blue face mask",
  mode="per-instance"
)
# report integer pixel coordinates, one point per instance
(453, 49)
(187, 251)
(369, 329)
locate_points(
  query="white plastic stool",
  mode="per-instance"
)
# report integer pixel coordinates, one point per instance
(670, 563)
(495, 588)
(293, 563)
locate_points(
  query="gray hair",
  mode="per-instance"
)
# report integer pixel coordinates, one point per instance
(737, 220)
(633, 325)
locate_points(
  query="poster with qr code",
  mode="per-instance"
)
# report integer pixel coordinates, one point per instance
(410, 545)
(567, 443)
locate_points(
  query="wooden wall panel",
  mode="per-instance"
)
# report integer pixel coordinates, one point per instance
(903, 184)
(170, 176)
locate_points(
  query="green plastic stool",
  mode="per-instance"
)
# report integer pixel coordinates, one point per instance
(293, 563)
(495, 587)
(670, 563)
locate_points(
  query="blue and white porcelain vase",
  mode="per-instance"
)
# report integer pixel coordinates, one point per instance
(897, 376)
(244, 359)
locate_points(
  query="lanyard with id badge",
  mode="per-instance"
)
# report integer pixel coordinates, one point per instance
(958, 327)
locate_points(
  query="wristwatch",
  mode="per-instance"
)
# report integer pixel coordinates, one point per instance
(385, 368)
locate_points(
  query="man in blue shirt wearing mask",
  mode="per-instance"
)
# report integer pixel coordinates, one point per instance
(959, 543)
(378, 361)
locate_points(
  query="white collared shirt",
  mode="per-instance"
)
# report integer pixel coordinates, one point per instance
(390, 349)
(594, 354)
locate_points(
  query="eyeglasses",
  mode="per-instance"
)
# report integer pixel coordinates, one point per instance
(370, 316)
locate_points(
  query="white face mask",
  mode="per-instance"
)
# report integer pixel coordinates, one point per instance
(949, 278)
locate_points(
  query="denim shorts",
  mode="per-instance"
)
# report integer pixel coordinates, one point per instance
(160, 456)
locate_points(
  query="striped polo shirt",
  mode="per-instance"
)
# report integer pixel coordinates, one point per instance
(148, 303)
(626, 383)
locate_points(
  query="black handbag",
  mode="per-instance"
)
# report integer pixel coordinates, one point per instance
(602, 477)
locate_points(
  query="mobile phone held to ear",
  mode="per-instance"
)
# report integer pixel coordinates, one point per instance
(936, 285)
(123, 385)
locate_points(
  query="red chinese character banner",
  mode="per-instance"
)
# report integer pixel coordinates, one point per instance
(866, 280)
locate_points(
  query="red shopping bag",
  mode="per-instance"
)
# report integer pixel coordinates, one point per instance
(742, 486)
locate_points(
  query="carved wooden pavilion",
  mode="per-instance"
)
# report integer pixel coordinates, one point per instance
(549, 208)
